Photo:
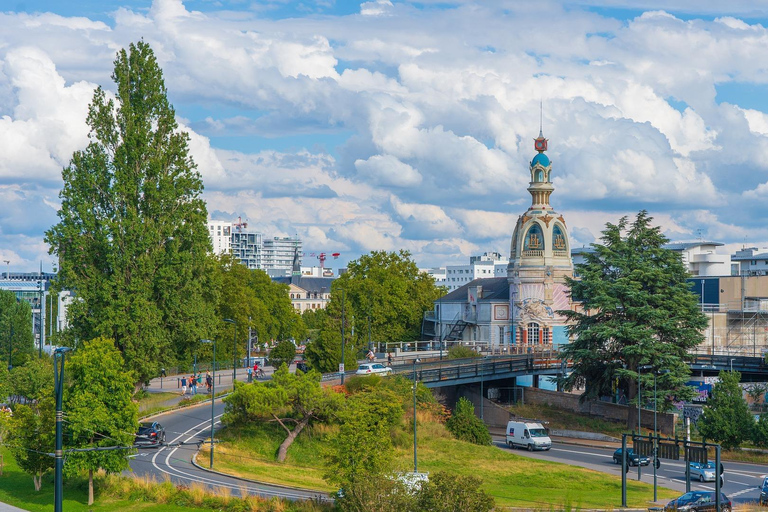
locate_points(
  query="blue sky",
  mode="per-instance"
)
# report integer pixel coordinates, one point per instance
(387, 125)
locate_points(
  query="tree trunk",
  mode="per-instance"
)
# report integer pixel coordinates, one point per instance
(282, 452)
(38, 481)
(90, 487)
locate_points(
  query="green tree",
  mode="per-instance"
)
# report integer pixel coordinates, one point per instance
(132, 236)
(32, 429)
(636, 309)
(381, 290)
(16, 339)
(361, 451)
(292, 400)
(100, 411)
(32, 436)
(756, 391)
(282, 354)
(760, 431)
(252, 299)
(726, 418)
(464, 425)
(461, 352)
(447, 492)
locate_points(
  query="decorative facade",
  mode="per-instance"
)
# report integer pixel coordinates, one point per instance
(540, 260)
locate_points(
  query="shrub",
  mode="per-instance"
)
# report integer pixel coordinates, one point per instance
(461, 352)
(452, 493)
(464, 425)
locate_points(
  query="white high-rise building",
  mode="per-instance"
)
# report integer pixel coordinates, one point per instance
(486, 266)
(277, 255)
(220, 232)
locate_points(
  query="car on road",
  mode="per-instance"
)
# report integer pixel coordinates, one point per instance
(764, 492)
(150, 433)
(633, 459)
(302, 366)
(373, 368)
(699, 501)
(703, 472)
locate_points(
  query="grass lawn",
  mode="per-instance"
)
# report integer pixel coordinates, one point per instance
(513, 480)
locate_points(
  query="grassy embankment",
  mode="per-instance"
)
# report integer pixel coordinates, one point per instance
(513, 480)
(129, 494)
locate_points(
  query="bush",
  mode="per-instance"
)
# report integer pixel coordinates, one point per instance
(461, 352)
(453, 493)
(464, 425)
(284, 352)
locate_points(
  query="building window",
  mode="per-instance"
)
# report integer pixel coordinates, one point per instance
(533, 333)
(534, 239)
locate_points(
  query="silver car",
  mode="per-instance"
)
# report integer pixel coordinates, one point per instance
(372, 368)
(703, 472)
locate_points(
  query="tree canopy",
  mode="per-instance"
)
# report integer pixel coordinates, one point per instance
(726, 418)
(16, 339)
(635, 310)
(132, 239)
(384, 296)
(100, 409)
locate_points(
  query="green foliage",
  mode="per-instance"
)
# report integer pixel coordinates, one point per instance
(16, 339)
(283, 353)
(362, 448)
(32, 434)
(760, 432)
(32, 379)
(756, 391)
(99, 405)
(461, 352)
(378, 493)
(726, 418)
(446, 492)
(385, 288)
(637, 309)
(288, 398)
(250, 297)
(464, 425)
(132, 236)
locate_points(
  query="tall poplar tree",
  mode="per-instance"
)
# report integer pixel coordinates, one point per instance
(132, 239)
(637, 315)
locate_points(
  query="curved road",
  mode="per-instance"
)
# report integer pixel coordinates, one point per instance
(741, 480)
(185, 429)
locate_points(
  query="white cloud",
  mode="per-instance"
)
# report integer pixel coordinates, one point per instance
(387, 170)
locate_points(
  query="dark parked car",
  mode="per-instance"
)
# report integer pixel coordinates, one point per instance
(150, 434)
(699, 501)
(632, 458)
(301, 365)
(764, 492)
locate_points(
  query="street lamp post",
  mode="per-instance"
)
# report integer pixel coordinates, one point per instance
(42, 319)
(234, 350)
(213, 393)
(341, 366)
(415, 461)
(731, 365)
(10, 349)
(58, 382)
(639, 400)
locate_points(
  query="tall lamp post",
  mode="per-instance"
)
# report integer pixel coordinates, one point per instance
(234, 350)
(58, 383)
(213, 392)
(639, 400)
(42, 319)
(341, 366)
(10, 350)
(415, 463)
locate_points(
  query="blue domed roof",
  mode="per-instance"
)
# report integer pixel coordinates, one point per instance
(542, 159)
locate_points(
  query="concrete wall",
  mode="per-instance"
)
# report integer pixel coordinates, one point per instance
(615, 412)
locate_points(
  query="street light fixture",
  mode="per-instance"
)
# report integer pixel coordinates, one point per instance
(58, 383)
(655, 435)
(639, 400)
(213, 393)
(234, 351)
(415, 463)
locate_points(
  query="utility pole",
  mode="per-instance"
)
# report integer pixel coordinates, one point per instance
(58, 382)
(341, 365)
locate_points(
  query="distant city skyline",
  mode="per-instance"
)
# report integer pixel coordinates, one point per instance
(388, 125)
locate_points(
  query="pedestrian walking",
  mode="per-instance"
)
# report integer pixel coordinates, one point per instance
(193, 384)
(208, 381)
(250, 374)
(389, 359)
(183, 386)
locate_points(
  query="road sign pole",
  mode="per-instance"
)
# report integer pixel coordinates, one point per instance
(624, 470)
(718, 502)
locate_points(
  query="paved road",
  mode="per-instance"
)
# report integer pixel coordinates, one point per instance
(742, 481)
(185, 429)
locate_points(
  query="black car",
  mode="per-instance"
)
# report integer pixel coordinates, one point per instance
(301, 365)
(699, 501)
(632, 458)
(764, 492)
(150, 434)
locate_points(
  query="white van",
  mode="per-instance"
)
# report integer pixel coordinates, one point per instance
(532, 436)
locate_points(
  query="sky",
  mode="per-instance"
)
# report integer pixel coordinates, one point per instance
(388, 125)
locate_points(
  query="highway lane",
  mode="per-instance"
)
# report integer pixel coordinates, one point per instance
(185, 429)
(742, 481)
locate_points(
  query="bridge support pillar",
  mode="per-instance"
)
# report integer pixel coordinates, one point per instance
(535, 382)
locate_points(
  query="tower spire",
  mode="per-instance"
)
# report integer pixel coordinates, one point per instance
(541, 119)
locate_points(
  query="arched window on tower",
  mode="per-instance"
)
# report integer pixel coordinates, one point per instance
(534, 241)
(539, 176)
(559, 241)
(533, 333)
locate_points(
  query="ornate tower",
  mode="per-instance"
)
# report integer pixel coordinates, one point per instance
(539, 260)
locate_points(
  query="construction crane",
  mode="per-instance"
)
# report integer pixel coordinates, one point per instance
(240, 225)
